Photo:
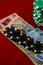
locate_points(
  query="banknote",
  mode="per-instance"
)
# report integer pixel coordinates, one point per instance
(39, 57)
(19, 23)
(14, 19)
(36, 34)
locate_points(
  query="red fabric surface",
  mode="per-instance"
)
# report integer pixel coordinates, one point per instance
(9, 53)
(12, 55)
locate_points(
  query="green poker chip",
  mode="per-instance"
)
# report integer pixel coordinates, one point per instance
(38, 12)
(38, 3)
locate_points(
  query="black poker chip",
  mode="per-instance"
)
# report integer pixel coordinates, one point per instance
(38, 48)
(21, 38)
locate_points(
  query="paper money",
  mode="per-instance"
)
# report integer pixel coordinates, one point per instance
(21, 24)
(39, 57)
(37, 34)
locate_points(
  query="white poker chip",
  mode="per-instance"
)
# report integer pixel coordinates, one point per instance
(5, 34)
(11, 37)
(9, 27)
(24, 42)
(34, 41)
(21, 34)
(35, 51)
(41, 42)
(26, 47)
(28, 38)
(17, 37)
(10, 31)
(19, 42)
(15, 29)
(41, 51)
(31, 46)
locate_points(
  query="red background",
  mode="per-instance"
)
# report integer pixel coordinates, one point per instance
(9, 53)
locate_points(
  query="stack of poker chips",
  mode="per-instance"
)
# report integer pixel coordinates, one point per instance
(20, 37)
(38, 12)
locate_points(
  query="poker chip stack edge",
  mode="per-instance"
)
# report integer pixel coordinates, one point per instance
(38, 12)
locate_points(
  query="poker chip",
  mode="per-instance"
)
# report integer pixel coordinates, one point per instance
(19, 42)
(38, 48)
(5, 34)
(38, 12)
(11, 37)
(34, 41)
(23, 39)
(26, 47)
(17, 37)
